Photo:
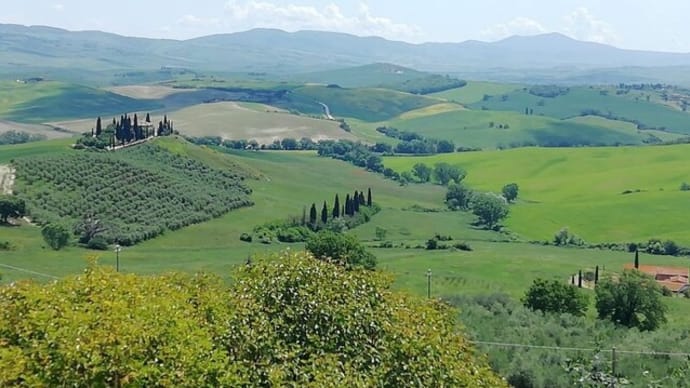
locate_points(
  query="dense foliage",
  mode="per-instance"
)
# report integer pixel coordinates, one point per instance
(56, 236)
(137, 193)
(510, 192)
(498, 318)
(343, 249)
(432, 83)
(632, 300)
(490, 209)
(555, 297)
(413, 143)
(15, 137)
(11, 207)
(294, 321)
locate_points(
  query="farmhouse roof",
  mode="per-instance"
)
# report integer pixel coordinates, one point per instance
(659, 270)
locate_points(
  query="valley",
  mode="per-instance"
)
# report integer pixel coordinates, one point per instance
(480, 187)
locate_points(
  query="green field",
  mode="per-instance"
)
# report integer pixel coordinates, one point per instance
(287, 181)
(370, 105)
(603, 100)
(582, 188)
(46, 101)
(475, 91)
(487, 129)
(263, 123)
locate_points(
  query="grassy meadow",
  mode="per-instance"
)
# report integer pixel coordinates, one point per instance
(286, 181)
(39, 102)
(583, 189)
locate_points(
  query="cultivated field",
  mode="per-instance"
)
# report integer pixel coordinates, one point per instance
(146, 92)
(584, 189)
(237, 121)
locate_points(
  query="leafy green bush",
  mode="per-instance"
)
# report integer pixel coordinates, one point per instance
(98, 243)
(287, 321)
(56, 236)
(555, 297)
(339, 248)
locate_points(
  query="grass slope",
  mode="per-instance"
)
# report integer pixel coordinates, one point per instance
(475, 91)
(286, 181)
(474, 128)
(370, 105)
(580, 99)
(253, 121)
(582, 189)
(51, 101)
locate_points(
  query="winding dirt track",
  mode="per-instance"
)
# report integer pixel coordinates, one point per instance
(6, 179)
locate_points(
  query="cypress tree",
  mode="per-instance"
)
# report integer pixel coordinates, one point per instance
(148, 118)
(348, 205)
(579, 279)
(114, 122)
(637, 259)
(362, 201)
(99, 129)
(596, 275)
(312, 214)
(160, 128)
(324, 213)
(336, 207)
(369, 197)
(355, 203)
(572, 280)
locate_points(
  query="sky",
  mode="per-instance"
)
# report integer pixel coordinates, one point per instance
(659, 25)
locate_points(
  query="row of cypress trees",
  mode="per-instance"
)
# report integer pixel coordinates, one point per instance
(349, 208)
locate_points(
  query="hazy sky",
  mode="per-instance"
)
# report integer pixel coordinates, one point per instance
(639, 24)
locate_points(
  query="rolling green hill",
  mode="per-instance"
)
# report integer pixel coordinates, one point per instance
(384, 75)
(137, 193)
(475, 91)
(579, 101)
(500, 129)
(583, 189)
(364, 104)
(38, 102)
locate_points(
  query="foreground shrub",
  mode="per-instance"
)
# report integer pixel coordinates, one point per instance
(291, 321)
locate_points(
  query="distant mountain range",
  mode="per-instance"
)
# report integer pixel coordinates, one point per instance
(29, 49)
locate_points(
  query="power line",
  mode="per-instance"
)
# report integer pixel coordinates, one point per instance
(574, 349)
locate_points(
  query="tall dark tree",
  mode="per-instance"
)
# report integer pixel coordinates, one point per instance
(324, 213)
(355, 203)
(99, 128)
(579, 279)
(160, 129)
(369, 197)
(362, 200)
(114, 122)
(312, 214)
(637, 259)
(336, 207)
(165, 119)
(348, 205)
(596, 275)
(148, 118)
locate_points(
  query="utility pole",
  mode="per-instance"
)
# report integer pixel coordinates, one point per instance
(118, 248)
(428, 283)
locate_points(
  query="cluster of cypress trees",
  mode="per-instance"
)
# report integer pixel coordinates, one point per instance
(127, 129)
(349, 208)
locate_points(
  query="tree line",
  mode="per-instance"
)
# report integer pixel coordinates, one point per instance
(355, 210)
(20, 137)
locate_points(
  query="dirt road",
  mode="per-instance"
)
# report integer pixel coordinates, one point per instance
(6, 179)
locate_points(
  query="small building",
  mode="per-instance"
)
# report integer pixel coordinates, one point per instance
(673, 278)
